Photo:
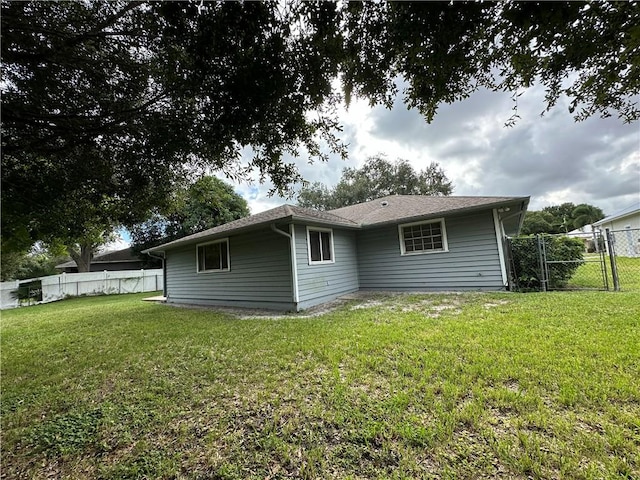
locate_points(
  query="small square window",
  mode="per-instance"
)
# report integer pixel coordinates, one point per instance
(213, 257)
(425, 237)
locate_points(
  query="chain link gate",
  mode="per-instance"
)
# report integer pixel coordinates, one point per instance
(557, 262)
(623, 247)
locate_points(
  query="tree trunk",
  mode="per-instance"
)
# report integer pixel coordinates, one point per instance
(82, 255)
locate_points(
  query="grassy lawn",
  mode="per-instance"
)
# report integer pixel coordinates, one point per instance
(589, 275)
(431, 386)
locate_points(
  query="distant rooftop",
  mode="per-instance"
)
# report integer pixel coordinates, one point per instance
(124, 255)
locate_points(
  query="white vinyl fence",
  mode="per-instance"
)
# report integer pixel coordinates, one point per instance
(57, 287)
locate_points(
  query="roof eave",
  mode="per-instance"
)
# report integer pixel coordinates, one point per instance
(614, 218)
(448, 212)
(256, 226)
(204, 238)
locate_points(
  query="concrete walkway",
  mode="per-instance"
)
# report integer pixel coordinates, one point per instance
(159, 298)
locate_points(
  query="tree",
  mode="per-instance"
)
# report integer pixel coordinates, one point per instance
(560, 218)
(445, 51)
(206, 203)
(536, 222)
(377, 178)
(39, 262)
(585, 214)
(82, 249)
(112, 103)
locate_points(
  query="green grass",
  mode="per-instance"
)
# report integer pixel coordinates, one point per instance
(442, 386)
(589, 275)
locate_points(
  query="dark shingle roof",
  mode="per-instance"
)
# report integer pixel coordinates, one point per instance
(284, 212)
(394, 208)
(124, 255)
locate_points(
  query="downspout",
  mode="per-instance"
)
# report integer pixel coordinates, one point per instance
(164, 272)
(294, 264)
(497, 225)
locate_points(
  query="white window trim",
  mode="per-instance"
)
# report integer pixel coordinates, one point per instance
(221, 240)
(333, 250)
(445, 244)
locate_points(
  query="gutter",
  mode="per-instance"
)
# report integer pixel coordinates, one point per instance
(294, 264)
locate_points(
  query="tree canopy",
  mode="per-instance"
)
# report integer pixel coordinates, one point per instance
(39, 262)
(560, 218)
(377, 178)
(105, 105)
(206, 203)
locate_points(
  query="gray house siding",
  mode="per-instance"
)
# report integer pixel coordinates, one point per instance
(322, 283)
(472, 262)
(259, 274)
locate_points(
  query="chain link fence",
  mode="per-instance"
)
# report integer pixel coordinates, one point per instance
(557, 262)
(623, 247)
(607, 260)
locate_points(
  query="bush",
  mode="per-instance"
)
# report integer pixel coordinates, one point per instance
(28, 292)
(526, 261)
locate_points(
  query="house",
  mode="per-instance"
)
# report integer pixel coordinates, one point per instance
(628, 218)
(292, 258)
(624, 227)
(124, 259)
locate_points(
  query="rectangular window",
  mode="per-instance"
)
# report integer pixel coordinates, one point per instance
(320, 245)
(423, 237)
(213, 257)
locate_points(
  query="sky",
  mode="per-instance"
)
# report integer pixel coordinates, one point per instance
(550, 158)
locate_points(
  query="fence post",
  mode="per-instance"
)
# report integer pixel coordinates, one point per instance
(542, 261)
(603, 260)
(612, 259)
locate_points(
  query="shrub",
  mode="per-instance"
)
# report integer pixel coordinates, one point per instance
(28, 292)
(526, 260)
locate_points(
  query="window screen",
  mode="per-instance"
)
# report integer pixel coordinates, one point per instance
(213, 256)
(320, 246)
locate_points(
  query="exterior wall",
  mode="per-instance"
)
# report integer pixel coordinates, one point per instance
(631, 221)
(322, 283)
(626, 234)
(259, 274)
(472, 262)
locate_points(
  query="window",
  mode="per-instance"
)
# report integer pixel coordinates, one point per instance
(423, 237)
(320, 242)
(213, 257)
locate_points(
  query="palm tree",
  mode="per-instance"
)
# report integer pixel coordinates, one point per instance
(585, 214)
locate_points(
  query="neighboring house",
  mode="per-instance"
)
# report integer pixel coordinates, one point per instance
(582, 232)
(123, 259)
(587, 235)
(625, 228)
(292, 258)
(627, 218)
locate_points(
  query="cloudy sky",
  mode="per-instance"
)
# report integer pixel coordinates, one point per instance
(551, 158)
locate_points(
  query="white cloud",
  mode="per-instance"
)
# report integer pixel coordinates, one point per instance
(550, 157)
